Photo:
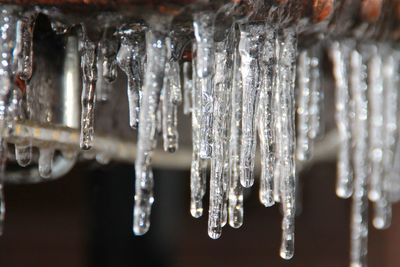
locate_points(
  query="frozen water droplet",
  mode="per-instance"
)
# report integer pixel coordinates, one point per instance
(45, 162)
(23, 154)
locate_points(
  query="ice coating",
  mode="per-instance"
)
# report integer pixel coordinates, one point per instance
(23, 51)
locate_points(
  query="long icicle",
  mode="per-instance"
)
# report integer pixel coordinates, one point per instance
(203, 23)
(383, 206)
(359, 217)
(218, 178)
(339, 54)
(235, 187)
(250, 45)
(8, 21)
(266, 126)
(153, 83)
(198, 169)
(287, 63)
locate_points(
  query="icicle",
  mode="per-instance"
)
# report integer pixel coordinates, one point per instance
(45, 161)
(303, 116)
(218, 177)
(7, 34)
(359, 218)
(250, 45)
(391, 135)
(339, 54)
(23, 150)
(23, 51)
(286, 70)
(8, 23)
(169, 105)
(203, 23)
(106, 67)
(198, 170)
(375, 95)
(316, 96)
(89, 70)
(153, 83)
(175, 80)
(130, 59)
(266, 118)
(187, 88)
(235, 187)
(383, 207)
(3, 160)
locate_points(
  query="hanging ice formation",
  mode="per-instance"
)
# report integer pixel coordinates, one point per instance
(238, 78)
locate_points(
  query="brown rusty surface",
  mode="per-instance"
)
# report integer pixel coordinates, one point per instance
(371, 10)
(94, 2)
(322, 9)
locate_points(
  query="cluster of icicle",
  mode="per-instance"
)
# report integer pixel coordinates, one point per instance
(238, 89)
(366, 104)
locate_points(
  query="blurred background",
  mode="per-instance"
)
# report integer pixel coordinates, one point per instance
(85, 218)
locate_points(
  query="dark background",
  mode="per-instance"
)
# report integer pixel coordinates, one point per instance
(84, 219)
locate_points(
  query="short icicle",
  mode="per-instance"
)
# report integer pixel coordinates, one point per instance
(89, 70)
(129, 59)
